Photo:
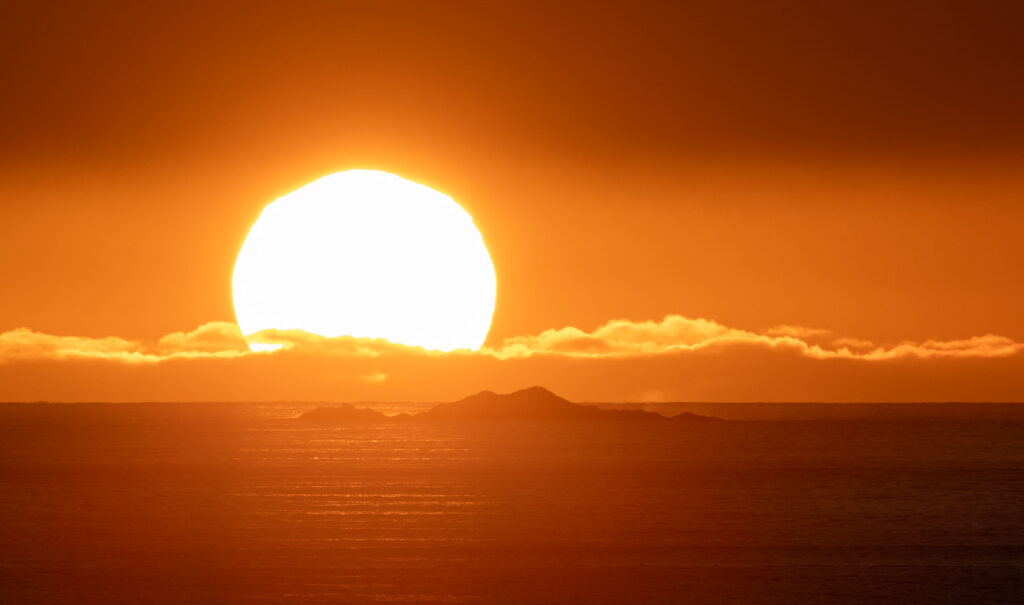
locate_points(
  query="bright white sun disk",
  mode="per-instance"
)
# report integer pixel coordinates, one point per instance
(367, 254)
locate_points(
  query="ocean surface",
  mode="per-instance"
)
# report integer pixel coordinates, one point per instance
(239, 503)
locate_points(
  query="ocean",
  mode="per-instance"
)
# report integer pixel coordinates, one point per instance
(240, 503)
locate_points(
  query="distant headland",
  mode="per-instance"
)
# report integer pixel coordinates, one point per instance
(534, 403)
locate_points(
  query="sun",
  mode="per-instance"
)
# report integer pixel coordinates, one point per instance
(367, 254)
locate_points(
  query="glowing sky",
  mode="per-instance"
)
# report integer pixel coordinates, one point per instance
(848, 178)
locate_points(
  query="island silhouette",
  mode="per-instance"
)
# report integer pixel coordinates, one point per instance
(533, 403)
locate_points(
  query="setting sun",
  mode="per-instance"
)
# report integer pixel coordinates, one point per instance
(367, 254)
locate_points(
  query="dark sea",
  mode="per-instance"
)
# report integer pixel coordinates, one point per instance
(241, 503)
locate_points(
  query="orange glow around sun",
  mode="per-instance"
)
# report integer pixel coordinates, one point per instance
(367, 254)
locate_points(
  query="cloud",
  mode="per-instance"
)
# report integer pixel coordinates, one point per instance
(673, 359)
(801, 332)
(24, 344)
(989, 345)
(621, 337)
(214, 339)
(675, 333)
(616, 339)
(853, 343)
(303, 342)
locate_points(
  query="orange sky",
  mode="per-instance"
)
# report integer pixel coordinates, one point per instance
(855, 170)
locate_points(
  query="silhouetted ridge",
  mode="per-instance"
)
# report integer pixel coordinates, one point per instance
(342, 414)
(534, 403)
(690, 416)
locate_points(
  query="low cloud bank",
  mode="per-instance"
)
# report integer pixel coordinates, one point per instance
(213, 339)
(675, 333)
(616, 339)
